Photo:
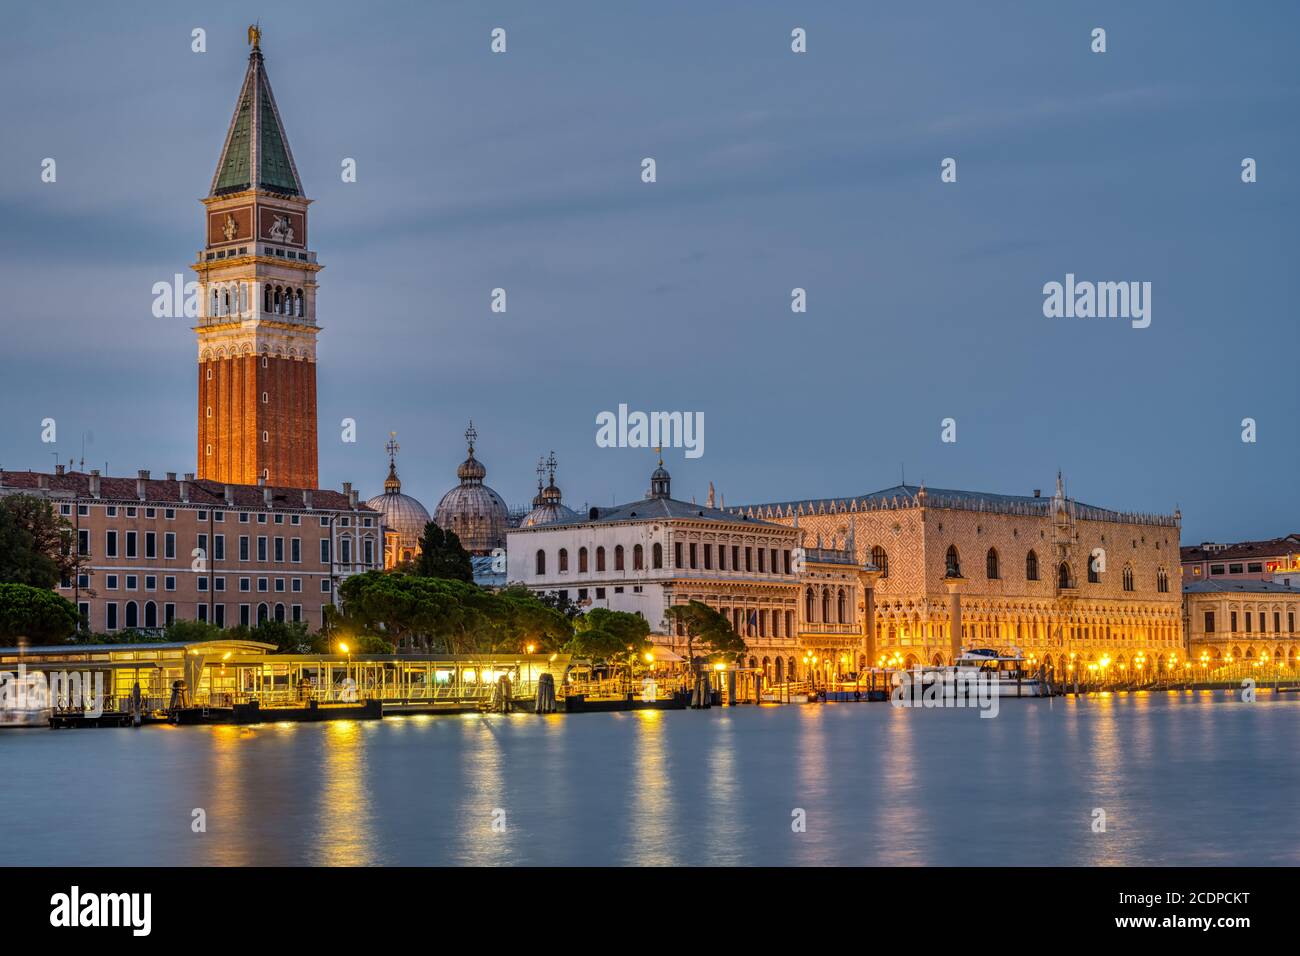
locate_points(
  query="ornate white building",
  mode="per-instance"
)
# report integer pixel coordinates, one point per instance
(648, 555)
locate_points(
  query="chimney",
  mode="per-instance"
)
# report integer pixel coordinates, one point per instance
(347, 488)
(353, 496)
(141, 489)
(1038, 492)
(43, 482)
(261, 482)
(94, 483)
(185, 488)
(266, 496)
(58, 470)
(171, 476)
(306, 499)
(230, 496)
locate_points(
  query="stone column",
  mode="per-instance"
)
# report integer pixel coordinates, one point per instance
(953, 583)
(868, 576)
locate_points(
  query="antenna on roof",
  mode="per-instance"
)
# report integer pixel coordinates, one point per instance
(902, 475)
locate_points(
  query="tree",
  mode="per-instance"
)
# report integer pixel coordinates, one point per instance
(560, 602)
(289, 637)
(616, 637)
(450, 616)
(718, 639)
(36, 545)
(35, 613)
(441, 556)
(525, 620)
(190, 632)
(408, 610)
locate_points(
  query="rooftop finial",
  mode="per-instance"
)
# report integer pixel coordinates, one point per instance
(392, 485)
(550, 466)
(541, 472)
(470, 436)
(255, 35)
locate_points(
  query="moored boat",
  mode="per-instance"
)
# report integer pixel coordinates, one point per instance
(1007, 672)
(24, 702)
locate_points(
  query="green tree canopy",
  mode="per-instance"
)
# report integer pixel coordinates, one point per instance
(444, 615)
(35, 543)
(189, 632)
(709, 629)
(441, 556)
(35, 613)
(616, 637)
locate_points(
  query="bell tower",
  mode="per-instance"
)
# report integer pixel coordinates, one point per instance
(257, 313)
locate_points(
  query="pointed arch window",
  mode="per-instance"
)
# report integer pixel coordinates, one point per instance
(841, 608)
(1063, 577)
(1031, 566)
(1128, 577)
(826, 605)
(991, 564)
(952, 562)
(1162, 581)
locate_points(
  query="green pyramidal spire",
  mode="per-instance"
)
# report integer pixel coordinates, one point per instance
(256, 154)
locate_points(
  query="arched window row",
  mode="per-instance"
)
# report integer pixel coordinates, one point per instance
(283, 300)
(620, 559)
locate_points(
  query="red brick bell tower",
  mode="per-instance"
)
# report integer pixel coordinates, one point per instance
(257, 311)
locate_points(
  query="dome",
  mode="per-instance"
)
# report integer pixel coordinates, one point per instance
(474, 511)
(548, 505)
(403, 515)
(471, 469)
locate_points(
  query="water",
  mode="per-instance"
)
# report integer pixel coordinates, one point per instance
(1183, 779)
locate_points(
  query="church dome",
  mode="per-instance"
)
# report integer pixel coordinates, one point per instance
(548, 505)
(403, 515)
(474, 511)
(471, 469)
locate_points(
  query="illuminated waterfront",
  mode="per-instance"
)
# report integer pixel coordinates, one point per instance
(1183, 779)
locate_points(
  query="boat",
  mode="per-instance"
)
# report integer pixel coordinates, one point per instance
(24, 701)
(1008, 671)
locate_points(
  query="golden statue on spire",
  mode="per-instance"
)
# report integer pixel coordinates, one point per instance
(255, 35)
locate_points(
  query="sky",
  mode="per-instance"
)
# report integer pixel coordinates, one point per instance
(775, 170)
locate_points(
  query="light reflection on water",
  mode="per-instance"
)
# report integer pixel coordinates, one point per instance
(1191, 778)
(343, 830)
(653, 840)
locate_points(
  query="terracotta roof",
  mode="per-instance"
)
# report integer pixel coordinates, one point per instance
(1271, 548)
(168, 492)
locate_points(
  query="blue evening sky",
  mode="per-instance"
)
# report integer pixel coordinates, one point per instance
(775, 170)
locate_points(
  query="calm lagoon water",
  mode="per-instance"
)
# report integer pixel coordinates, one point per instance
(1183, 779)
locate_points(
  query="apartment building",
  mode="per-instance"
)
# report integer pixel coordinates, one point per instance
(158, 550)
